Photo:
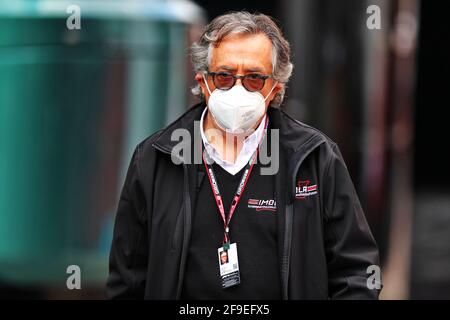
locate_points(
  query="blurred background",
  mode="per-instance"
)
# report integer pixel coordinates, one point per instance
(74, 102)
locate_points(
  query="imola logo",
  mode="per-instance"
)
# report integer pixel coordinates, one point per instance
(262, 205)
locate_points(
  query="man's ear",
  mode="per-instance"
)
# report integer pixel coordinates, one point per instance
(201, 81)
(278, 87)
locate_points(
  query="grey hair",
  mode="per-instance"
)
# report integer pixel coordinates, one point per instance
(243, 22)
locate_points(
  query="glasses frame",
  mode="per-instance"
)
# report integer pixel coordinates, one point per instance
(264, 77)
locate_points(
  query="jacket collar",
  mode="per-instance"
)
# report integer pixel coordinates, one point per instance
(186, 121)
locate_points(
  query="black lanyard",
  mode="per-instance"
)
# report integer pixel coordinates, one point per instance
(238, 194)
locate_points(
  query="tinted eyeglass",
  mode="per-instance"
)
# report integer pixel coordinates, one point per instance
(252, 81)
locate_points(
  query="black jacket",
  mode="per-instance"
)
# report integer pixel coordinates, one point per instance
(326, 245)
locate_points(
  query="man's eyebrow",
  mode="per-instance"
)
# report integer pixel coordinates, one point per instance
(228, 68)
(247, 70)
(255, 69)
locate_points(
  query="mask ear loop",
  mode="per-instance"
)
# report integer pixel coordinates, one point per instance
(270, 91)
(207, 87)
(206, 82)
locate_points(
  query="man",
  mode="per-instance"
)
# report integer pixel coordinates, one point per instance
(297, 233)
(224, 257)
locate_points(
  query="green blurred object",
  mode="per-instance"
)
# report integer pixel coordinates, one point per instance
(73, 104)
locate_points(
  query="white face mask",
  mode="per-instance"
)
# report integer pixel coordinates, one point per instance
(236, 110)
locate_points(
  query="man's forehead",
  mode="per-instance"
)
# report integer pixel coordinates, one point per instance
(252, 53)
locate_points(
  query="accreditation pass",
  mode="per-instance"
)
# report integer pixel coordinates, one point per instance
(229, 266)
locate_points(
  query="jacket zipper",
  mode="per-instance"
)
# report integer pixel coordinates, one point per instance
(187, 232)
(289, 218)
(187, 223)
